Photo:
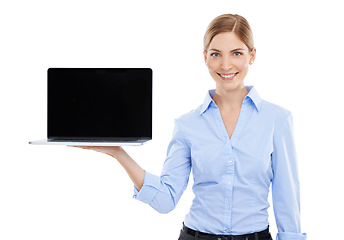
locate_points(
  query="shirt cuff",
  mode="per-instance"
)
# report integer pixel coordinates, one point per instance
(149, 190)
(291, 236)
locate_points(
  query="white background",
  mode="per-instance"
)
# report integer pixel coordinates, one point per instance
(56, 192)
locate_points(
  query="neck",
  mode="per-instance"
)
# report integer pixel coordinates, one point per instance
(229, 99)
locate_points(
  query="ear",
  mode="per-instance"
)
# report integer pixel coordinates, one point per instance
(205, 56)
(253, 55)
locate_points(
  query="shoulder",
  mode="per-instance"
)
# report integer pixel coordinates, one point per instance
(280, 115)
(190, 123)
(189, 117)
(183, 127)
(274, 109)
(266, 109)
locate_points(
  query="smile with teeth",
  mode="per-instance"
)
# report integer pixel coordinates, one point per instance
(227, 76)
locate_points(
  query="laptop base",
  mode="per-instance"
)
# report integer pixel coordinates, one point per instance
(88, 143)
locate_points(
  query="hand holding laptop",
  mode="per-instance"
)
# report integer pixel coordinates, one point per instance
(113, 151)
(135, 172)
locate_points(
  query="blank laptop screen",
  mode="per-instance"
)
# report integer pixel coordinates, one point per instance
(100, 103)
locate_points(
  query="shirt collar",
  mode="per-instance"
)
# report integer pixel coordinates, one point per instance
(252, 95)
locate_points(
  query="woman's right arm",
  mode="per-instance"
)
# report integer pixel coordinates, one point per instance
(161, 192)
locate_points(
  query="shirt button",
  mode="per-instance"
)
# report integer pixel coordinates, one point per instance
(228, 207)
(230, 160)
(229, 183)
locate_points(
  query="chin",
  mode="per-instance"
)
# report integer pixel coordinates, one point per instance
(230, 86)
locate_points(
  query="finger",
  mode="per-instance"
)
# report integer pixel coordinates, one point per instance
(83, 147)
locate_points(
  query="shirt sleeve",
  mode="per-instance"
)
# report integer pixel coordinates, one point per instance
(163, 193)
(285, 183)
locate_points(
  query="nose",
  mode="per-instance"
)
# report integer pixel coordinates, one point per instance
(226, 64)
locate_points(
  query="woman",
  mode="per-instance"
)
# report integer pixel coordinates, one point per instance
(235, 143)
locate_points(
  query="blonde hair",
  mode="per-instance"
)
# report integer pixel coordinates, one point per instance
(229, 23)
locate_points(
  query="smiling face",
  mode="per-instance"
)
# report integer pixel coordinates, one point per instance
(228, 59)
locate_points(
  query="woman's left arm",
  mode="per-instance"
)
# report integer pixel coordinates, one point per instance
(285, 182)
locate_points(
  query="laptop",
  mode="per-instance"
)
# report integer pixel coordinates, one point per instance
(99, 106)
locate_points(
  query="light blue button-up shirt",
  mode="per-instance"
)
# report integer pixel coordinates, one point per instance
(231, 176)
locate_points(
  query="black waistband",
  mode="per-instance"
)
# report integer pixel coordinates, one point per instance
(251, 236)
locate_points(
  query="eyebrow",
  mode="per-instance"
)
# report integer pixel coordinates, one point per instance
(234, 50)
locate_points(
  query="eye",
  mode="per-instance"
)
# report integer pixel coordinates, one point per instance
(237, 54)
(215, 55)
